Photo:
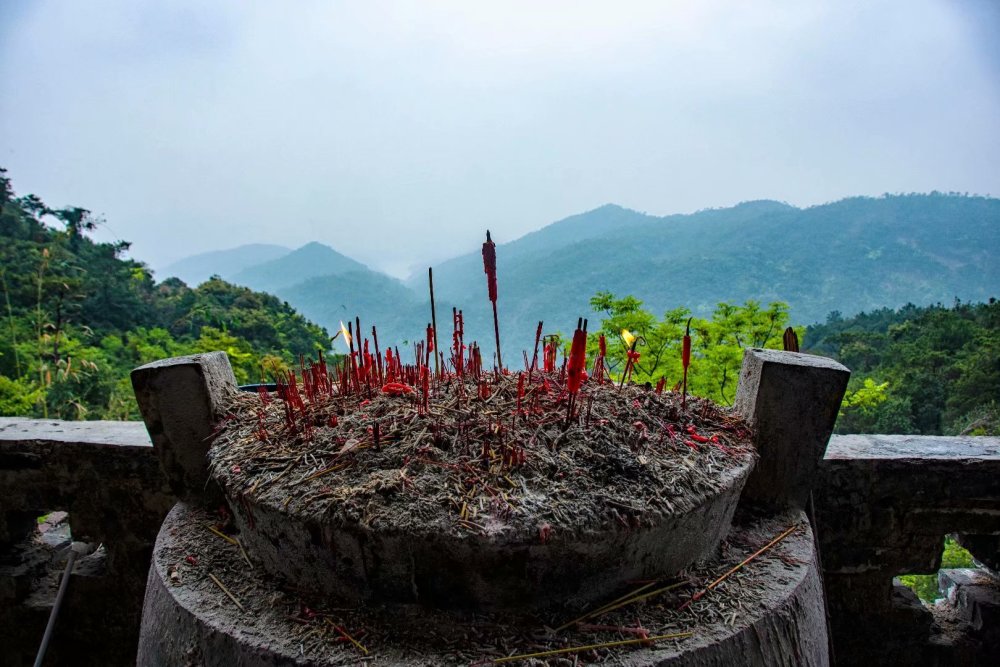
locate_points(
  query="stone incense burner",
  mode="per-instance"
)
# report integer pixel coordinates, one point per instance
(275, 580)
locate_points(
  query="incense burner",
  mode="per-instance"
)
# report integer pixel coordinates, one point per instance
(552, 526)
(398, 579)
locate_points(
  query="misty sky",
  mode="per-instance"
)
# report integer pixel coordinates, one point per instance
(399, 132)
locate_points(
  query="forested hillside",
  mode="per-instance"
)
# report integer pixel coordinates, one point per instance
(78, 316)
(852, 255)
(931, 370)
(312, 260)
(374, 297)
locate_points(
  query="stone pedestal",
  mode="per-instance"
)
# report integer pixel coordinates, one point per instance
(190, 619)
(344, 592)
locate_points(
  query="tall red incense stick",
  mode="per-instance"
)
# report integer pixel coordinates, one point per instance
(577, 365)
(686, 361)
(490, 267)
(431, 335)
(434, 321)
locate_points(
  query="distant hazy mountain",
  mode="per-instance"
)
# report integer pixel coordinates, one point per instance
(197, 269)
(400, 314)
(593, 224)
(310, 261)
(849, 256)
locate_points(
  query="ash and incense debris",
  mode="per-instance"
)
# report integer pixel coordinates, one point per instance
(322, 632)
(473, 453)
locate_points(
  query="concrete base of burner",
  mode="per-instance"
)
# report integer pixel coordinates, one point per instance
(189, 619)
(576, 566)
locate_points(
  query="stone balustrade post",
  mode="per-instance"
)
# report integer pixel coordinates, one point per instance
(793, 400)
(182, 400)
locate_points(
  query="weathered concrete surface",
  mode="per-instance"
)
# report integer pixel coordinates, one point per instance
(189, 620)
(956, 451)
(968, 618)
(107, 477)
(975, 596)
(181, 400)
(577, 565)
(105, 474)
(793, 400)
(883, 506)
(34, 467)
(985, 549)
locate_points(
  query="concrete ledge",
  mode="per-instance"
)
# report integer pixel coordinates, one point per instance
(957, 450)
(122, 434)
(885, 502)
(105, 474)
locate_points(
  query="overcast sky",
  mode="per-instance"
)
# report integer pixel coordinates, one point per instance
(397, 132)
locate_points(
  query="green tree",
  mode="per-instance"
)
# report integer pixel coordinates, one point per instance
(717, 342)
(940, 367)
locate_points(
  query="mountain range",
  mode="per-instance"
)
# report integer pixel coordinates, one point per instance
(197, 269)
(849, 256)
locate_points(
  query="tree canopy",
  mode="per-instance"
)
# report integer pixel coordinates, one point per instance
(932, 370)
(79, 315)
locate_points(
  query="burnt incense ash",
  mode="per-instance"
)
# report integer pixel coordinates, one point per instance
(481, 454)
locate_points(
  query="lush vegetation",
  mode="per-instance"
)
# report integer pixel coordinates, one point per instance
(78, 315)
(717, 342)
(932, 370)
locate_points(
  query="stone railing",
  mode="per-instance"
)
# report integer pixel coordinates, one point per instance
(882, 504)
(106, 476)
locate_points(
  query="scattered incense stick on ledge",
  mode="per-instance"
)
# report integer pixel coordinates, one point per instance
(588, 647)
